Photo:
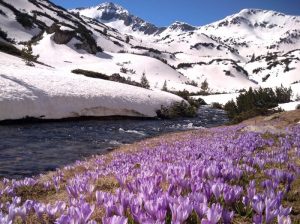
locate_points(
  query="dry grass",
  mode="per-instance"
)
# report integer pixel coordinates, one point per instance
(279, 120)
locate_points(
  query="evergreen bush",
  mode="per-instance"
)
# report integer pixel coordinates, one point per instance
(27, 55)
(165, 87)
(24, 19)
(144, 82)
(178, 109)
(257, 102)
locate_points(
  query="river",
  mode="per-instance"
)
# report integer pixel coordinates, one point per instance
(29, 149)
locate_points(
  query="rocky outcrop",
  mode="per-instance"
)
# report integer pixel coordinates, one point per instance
(61, 36)
(88, 43)
(182, 27)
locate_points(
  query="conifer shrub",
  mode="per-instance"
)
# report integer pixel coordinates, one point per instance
(283, 94)
(114, 77)
(2, 13)
(231, 108)
(24, 19)
(257, 102)
(10, 49)
(192, 83)
(3, 34)
(204, 86)
(165, 87)
(27, 55)
(176, 110)
(90, 74)
(216, 105)
(144, 82)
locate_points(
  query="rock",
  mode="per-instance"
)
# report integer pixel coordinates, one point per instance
(88, 43)
(60, 36)
(182, 26)
(53, 28)
(63, 36)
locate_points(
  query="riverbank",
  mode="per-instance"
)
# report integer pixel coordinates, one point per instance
(241, 174)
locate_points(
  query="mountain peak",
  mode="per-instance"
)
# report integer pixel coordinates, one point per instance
(111, 6)
(250, 11)
(255, 18)
(181, 26)
(109, 12)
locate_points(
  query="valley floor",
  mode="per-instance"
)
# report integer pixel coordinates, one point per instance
(232, 174)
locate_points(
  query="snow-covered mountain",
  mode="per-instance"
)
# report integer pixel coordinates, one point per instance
(119, 18)
(249, 49)
(257, 30)
(248, 34)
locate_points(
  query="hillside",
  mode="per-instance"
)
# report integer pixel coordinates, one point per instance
(108, 39)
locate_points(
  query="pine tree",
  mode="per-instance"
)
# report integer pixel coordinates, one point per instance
(231, 109)
(165, 87)
(204, 85)
(105, 31)
(252, 58)
(28, 56)
(144, 82)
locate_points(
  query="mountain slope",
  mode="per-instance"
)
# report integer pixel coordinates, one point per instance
(252, 48)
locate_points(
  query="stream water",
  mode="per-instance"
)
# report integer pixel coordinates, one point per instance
(33, 148)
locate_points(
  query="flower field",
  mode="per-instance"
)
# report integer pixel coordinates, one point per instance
(219, 175)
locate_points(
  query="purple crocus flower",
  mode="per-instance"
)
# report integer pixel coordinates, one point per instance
(227, 216)
(217, 189)
(258, 205)
(114, 220)
(284, 219)
(270, 214)
(214, 214)
(181, 210)
(257, 219)
(201, 209)
(82, 213)
(251, 190)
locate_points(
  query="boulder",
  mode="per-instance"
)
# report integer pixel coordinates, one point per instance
(63, 36)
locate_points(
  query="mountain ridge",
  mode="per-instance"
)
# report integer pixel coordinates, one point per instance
(241, 13)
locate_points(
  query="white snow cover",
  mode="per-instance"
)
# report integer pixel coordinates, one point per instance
(216, 78)
(218, 98)
(48, 93)
(219, 53)
(289, 106)
(296, 91)
(109, 63)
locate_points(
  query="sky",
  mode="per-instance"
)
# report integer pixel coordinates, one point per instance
(194, 12)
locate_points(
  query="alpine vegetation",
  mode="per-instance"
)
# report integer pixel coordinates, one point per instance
(220, 175)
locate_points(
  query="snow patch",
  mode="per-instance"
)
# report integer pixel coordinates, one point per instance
(289, 106)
